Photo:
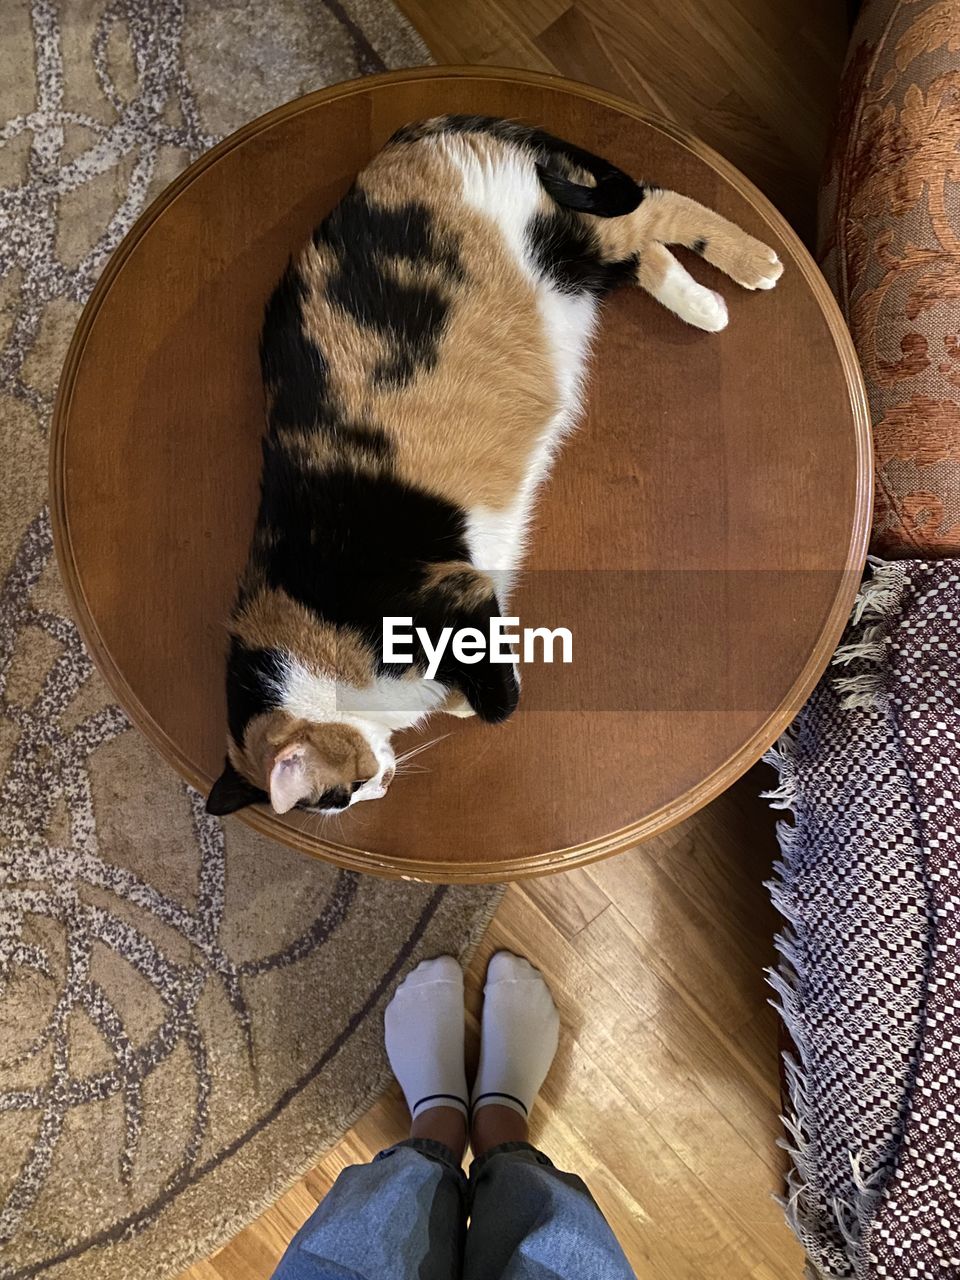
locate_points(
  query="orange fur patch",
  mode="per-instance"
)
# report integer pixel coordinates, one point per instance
(335, 754)
(460, 432)
(270, 619)
(460, 584)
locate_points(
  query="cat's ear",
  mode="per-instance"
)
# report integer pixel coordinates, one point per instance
(231, 792)
(461, 596)
(289, 778)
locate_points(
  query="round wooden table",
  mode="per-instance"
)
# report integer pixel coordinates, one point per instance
(702, 535)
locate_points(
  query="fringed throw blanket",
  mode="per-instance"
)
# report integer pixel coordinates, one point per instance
(869, 978)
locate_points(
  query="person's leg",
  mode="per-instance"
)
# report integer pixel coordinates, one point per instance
(403, 1216)
(529, 1221)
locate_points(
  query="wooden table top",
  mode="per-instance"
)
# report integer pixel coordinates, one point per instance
(702, 535)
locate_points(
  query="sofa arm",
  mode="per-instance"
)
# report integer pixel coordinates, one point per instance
(889, 228)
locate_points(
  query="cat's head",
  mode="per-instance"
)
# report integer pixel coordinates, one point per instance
(294, 740)
(293, 763)
(311, 708)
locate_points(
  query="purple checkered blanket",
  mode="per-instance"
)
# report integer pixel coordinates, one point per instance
(869, 975)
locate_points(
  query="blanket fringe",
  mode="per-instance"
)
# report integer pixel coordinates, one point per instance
(863, 687)
(862, 692)
(871, 648)
(879, 595)
(877, 602)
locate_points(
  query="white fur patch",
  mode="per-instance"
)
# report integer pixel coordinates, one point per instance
(569, 321)
(304, 695)
(505, 188)
(498, 538)
(691, 301)
(388, 703)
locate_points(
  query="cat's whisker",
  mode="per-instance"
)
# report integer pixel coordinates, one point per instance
(361, 818)
(421, 747)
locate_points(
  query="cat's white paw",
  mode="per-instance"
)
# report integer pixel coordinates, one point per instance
(684, 296)
(706, 310)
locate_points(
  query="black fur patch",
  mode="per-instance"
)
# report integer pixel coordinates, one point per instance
(232, 791)
(370, 440)
(350, 437)
(357, 229)
(491, 688)
(699, 246)
(250, 677)
(569, 252)
(350, 546)
(295, 376)
(335, 798)
(294, 370)
(411, 316)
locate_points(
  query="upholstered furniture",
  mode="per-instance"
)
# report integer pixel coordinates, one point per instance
(890, 247)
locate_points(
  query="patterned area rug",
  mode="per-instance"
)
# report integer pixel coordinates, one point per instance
(188, 1014)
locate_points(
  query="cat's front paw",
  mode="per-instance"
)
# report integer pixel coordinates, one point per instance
(758, 266)
(461, 708)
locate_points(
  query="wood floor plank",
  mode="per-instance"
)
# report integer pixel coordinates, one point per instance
(571, 41)
(473, 32)
(698, 1056)
(690, 949)
(571, 900)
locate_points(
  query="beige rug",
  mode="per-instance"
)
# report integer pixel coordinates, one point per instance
(187, 1015)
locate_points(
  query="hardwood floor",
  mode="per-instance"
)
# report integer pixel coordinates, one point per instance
(664, 1095)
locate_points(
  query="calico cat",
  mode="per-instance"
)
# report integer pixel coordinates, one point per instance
(422, 360)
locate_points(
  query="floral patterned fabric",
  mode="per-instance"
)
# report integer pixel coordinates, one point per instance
(890, 247)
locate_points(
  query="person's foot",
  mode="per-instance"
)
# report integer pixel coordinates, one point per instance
(423, 1026)
(519, 1032)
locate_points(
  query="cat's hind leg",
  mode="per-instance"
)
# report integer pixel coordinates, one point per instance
(671, 284)
(668, 218)
(664, 218)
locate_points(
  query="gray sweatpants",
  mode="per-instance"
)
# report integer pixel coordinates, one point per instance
(405, 1216)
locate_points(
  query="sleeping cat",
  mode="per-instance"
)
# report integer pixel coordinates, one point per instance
(423, 359)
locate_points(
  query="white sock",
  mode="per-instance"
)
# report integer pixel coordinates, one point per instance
(518, 1035)
(423, 1027)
